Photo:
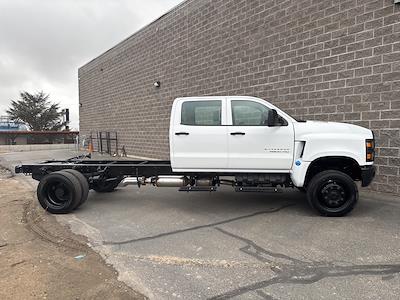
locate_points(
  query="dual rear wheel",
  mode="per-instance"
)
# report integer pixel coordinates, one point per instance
(63, 191)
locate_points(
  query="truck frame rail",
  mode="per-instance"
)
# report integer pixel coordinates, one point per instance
(90, 168)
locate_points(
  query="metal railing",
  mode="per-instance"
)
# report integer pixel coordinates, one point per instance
(105, 142)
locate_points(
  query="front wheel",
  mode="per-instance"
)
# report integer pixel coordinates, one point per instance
(332, 193)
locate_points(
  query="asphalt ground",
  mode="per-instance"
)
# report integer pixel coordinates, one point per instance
(225, 245)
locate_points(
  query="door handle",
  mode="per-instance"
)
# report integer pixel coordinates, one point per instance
(181, 133)
(238, 133)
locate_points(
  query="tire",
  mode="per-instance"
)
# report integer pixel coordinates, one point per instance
(332, 193)
(59, 192)
(84, 184)
(107, 187)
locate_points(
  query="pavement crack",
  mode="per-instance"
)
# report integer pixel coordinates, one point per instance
(147, 238)
(295, 271)
(196, 262)
(258, 252)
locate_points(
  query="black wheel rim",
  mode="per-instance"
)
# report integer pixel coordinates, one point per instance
(57, 194)
(333, 195)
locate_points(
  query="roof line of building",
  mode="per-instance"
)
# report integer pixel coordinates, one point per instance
(23, 132)
(174, 8)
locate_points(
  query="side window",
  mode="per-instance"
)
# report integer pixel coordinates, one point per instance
(249, 113)
(201, 113)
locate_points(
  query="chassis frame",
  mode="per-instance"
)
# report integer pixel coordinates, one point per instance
(98, 168)
(64, 184)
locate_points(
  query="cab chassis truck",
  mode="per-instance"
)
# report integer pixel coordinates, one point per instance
(244, 142)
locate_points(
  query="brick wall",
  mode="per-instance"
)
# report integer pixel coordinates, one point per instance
(331, 60)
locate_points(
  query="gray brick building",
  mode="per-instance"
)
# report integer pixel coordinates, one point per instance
(333, 60)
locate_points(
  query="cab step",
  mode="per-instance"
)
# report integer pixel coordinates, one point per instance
(257, 189)
(198, 189)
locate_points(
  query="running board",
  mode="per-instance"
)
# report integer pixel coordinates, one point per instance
(257, 189)
(198, 189)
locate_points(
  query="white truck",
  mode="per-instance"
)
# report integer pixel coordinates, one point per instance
(241, 141)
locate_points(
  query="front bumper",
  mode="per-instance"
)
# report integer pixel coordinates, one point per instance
(367, 175)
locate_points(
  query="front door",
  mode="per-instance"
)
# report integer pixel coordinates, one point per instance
(199, 135)
(252, 144)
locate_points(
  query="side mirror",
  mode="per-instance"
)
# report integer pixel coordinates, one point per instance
(272, 118)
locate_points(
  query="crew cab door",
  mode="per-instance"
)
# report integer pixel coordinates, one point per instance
(198, 134)
(252, 144)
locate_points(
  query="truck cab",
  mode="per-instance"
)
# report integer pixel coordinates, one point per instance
(248, 136)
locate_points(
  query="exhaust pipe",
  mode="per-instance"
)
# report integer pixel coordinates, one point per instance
(128, 181)
(163, 181)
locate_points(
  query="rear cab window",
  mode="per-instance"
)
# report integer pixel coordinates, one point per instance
(201, 113)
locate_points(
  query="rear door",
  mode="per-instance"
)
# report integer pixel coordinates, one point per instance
(252, 144)
(199, 134)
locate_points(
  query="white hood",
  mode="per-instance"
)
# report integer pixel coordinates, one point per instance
(304, 129)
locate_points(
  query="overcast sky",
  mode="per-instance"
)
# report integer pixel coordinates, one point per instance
(44, 42)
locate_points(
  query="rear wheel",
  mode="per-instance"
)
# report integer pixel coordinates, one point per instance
(332, 193)
(84, 185)
(59, 192)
